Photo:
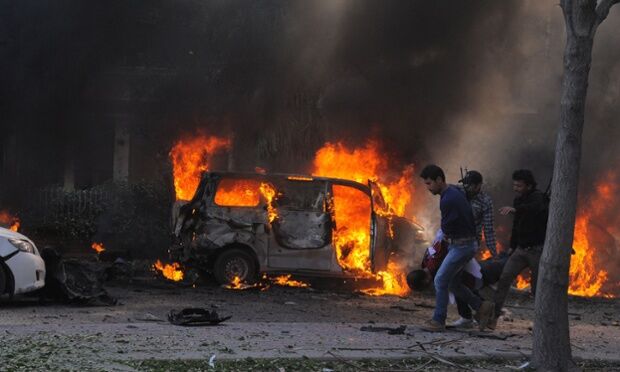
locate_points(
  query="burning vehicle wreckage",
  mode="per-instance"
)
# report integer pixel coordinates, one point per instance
(239, 225)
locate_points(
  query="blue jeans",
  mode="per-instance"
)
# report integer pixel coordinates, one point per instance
(448, 279)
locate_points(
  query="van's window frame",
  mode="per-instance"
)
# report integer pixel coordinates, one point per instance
(227, 178)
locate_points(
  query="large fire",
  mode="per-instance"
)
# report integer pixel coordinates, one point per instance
(10, 221)
(190, 157)
(169, 271)
(587, 277)
(352, 208)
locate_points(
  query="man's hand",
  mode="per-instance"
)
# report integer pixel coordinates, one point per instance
(506, 210)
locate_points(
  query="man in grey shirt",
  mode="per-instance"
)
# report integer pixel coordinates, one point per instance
(482, 207)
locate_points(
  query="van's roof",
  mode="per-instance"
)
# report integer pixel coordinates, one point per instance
(290, 176)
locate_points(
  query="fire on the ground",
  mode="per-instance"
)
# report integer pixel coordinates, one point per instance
(347, 218)
(336, 222)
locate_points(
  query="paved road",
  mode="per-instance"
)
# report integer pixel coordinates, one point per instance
(279, 322)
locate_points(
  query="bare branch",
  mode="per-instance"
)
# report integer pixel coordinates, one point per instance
(602, 10)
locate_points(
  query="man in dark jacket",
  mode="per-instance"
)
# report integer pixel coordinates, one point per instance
(458, 226)
(530, 210)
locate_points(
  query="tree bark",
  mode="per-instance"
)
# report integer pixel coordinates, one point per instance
(551, 349)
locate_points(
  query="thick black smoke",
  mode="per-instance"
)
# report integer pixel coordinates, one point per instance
(282, 76)
(472, 84)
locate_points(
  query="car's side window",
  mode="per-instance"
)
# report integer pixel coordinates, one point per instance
(301, 196)
(237, 192)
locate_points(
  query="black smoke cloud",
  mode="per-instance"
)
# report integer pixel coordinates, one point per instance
(471, 84)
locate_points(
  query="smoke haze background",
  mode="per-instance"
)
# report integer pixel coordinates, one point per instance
(473, 84)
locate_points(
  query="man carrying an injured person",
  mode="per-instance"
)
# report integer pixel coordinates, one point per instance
(457, 224)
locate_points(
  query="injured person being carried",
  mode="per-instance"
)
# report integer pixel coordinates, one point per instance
(476, 275)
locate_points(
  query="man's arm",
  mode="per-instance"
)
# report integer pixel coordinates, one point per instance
(489, 230)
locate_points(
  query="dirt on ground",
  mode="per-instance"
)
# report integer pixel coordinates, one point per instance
(320, 322)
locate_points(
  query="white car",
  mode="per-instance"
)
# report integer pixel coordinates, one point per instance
(22, 269)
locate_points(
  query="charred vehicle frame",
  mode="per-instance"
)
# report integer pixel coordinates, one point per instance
(240, 240)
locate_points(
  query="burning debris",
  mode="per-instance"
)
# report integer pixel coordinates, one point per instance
(9, 221)
(266, 282)
(169, 271)
(98, 247)
(238, 285)
(286, 281)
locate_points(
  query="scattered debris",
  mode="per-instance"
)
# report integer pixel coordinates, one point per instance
(195, 317)
(390, 331)
(402, 308)
(212, 361)
(73, 281)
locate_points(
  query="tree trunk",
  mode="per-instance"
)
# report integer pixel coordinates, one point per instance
(552, 350)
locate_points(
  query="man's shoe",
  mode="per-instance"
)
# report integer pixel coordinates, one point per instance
(433, 326)
(492, 323)
(485, 313)
(463, 323)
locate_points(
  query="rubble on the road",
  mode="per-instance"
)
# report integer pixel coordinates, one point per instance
(73, 281)
(196, 317)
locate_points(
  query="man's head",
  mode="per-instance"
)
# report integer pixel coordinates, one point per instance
(523, 181)
(418, 280)
(434, 179)
(472, 182)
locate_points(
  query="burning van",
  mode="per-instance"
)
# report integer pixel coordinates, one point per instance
(238, 225)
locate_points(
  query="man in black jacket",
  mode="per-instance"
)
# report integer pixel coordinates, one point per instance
(530, 210)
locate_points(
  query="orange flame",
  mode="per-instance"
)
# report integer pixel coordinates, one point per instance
(586, 277)
(394, 282)
(191, 157)
(11, 222)
(169, 271)
(485, 255)
(246, 193)
(98, 247)
(269, 193)
(352, 208)
(285, 280)
(351, 234)
(235, 284)
(237, 193)
(522, 282)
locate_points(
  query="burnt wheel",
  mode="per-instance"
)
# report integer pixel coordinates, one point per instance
(235, 263)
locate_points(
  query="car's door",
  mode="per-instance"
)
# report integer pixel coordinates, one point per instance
(382, 229)
(301, 230)
(354, 227)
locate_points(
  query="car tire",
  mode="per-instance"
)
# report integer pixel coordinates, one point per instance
(3, 279)
(235, 262)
